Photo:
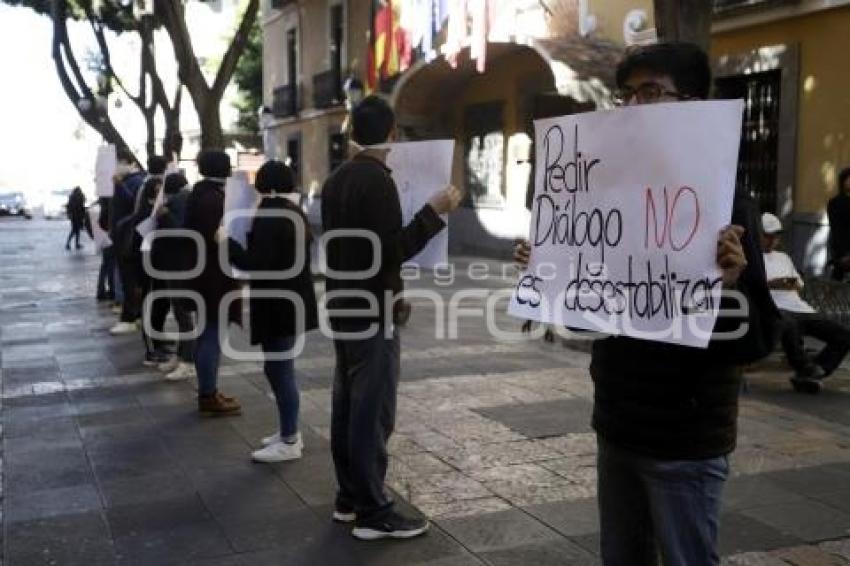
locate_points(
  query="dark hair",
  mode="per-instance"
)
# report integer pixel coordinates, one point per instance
(842, 178)
(372, 121)
(173, 183)
(157, 165)
(150, 188)
(686, 63)
(214, 163)
(275, 177)
(123, 154)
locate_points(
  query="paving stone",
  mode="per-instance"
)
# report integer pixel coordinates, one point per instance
(542, 420)
(812, 481)
(496, 531)
(48, 503)
(76, 540)
(172, 546)
(552, 553)
(756, 491)
(740, 533)
(809, 520)
(805, 556)
(570, 518)
(36, 471)
(152, 486)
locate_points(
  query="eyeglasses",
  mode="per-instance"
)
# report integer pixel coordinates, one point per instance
(644, 94)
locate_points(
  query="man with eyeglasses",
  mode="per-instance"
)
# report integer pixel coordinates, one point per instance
(666, 415)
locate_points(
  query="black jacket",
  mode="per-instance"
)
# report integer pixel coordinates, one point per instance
(170, 253)
(838, 211)
(361, 194)
(271, 247)
(680, 403)
(204, 212)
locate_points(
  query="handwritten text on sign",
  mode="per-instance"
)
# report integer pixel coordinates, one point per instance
(627, 210)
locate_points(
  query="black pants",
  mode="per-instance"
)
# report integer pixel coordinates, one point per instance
(154, 315)
(796, 326)
(106, 277)
(74, 235)
(131, 273)
(362, 420)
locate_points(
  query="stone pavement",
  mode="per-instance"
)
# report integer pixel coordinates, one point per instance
(104, 463)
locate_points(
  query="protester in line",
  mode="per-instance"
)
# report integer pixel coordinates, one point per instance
(278, 323)
(154, 313)
(106, 276)
(666, 415)
(76, 209)
(169, 254)
(361, 195)
(128, 183)
(838, 211)
(204, 212)
(799, 319)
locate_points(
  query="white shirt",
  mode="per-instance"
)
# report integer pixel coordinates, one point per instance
(778, 265)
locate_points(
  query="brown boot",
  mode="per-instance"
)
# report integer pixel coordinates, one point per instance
(218, 405)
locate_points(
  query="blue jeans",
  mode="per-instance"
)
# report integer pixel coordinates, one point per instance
(207, 356)
(649, 507)
(281, 376)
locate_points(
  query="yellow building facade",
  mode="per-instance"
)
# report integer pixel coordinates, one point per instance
(805, 45)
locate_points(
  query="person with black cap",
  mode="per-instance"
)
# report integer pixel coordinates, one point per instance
(204, 212)
(279, 241)
(799, 319)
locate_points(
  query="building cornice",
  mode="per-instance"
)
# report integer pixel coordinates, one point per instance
(778, 13)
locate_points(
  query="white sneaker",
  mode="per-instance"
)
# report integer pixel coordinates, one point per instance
(123, 328)
(170, 365)
(275, 438)
(181, 372)
(279, 452)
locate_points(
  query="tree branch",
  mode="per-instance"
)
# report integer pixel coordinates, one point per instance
(235, 50)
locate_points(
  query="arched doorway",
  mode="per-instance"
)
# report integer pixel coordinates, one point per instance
(490, 116)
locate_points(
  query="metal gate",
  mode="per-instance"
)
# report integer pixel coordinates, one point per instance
(758, 159)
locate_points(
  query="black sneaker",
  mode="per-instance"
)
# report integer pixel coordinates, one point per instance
(392, 525)
(153, 359)
(810, 386)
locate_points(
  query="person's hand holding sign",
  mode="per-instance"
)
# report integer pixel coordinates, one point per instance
(522, 253)
(730, 254)
(446, 200)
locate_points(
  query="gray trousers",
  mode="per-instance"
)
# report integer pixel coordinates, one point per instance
(362, 420)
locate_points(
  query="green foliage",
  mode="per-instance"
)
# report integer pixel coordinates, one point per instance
(249, 80)
(115, 15)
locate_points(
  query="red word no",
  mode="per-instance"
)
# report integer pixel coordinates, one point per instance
(662, 228)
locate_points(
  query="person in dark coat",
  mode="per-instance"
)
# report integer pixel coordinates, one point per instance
(168, 255)
(278, 244)
(204, 212)
(76, 208)
(838, 211)
(128, 183)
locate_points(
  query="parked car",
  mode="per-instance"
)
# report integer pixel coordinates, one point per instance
(14, 204)
(55, 204)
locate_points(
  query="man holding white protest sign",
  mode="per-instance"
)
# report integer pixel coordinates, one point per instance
(627, 211)
(366, 244)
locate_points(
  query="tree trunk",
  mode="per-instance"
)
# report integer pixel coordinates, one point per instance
(684, 21)
(212, 134)
(205, 98)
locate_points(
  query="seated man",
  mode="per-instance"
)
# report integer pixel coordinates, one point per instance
(799, 319)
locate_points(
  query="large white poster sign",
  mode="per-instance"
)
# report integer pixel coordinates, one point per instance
(421, 169)
(628, 206)
(104, 170)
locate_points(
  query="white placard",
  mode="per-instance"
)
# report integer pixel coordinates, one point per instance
(239, 196)
(146, 226)
(421, 169)
(105, 166)
(627, 210)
